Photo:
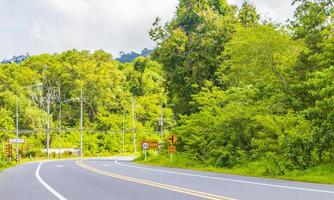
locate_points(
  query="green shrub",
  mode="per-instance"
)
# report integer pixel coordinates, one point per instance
(274, 164)
(4, 164)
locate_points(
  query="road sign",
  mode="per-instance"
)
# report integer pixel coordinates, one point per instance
(145, 145)
(172, 149)
(172, 139)
(153, 144)
(19, 140)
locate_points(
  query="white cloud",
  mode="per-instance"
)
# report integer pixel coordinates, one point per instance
(39, 26)
(277, 10)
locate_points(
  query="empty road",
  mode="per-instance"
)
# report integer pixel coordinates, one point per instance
(118, 179)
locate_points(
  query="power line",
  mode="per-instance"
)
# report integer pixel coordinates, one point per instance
(70, 130)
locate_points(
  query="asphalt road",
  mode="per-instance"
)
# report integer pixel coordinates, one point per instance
(102, 179)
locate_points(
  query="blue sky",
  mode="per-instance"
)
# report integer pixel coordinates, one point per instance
(49, 26)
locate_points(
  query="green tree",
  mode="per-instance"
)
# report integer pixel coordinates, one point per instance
(247, 14)
(258, 55)
(188, 55)
(311, 19)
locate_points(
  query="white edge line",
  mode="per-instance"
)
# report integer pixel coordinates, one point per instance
(48, 187)
(228, 179)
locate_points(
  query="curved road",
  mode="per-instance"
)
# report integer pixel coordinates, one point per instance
(117, 179)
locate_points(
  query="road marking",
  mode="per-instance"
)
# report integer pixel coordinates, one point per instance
(59, 166)
(155, 184)
(105, 165)
(228, 179)
(48, 187)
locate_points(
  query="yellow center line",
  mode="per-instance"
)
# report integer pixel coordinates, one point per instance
(156, 184)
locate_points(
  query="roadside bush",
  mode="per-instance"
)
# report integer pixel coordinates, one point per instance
(3, 164)
(274, 164)
(226, 157)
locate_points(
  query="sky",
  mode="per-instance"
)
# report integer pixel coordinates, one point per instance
(53, 26)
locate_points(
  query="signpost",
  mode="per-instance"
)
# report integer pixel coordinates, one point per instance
(14, 141)
(145, 146)
(171, 148)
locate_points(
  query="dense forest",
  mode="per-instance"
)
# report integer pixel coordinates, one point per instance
(116, 96)
(235, 89)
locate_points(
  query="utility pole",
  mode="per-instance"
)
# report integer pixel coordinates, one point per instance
(123, 134)
(81, 122)
(17, 126)
(161, 121)
(60, 118)
(133, 126)
(60, 102)
(48, 124)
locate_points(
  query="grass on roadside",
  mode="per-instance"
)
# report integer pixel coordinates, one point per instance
(323, 173)
(5, 164)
